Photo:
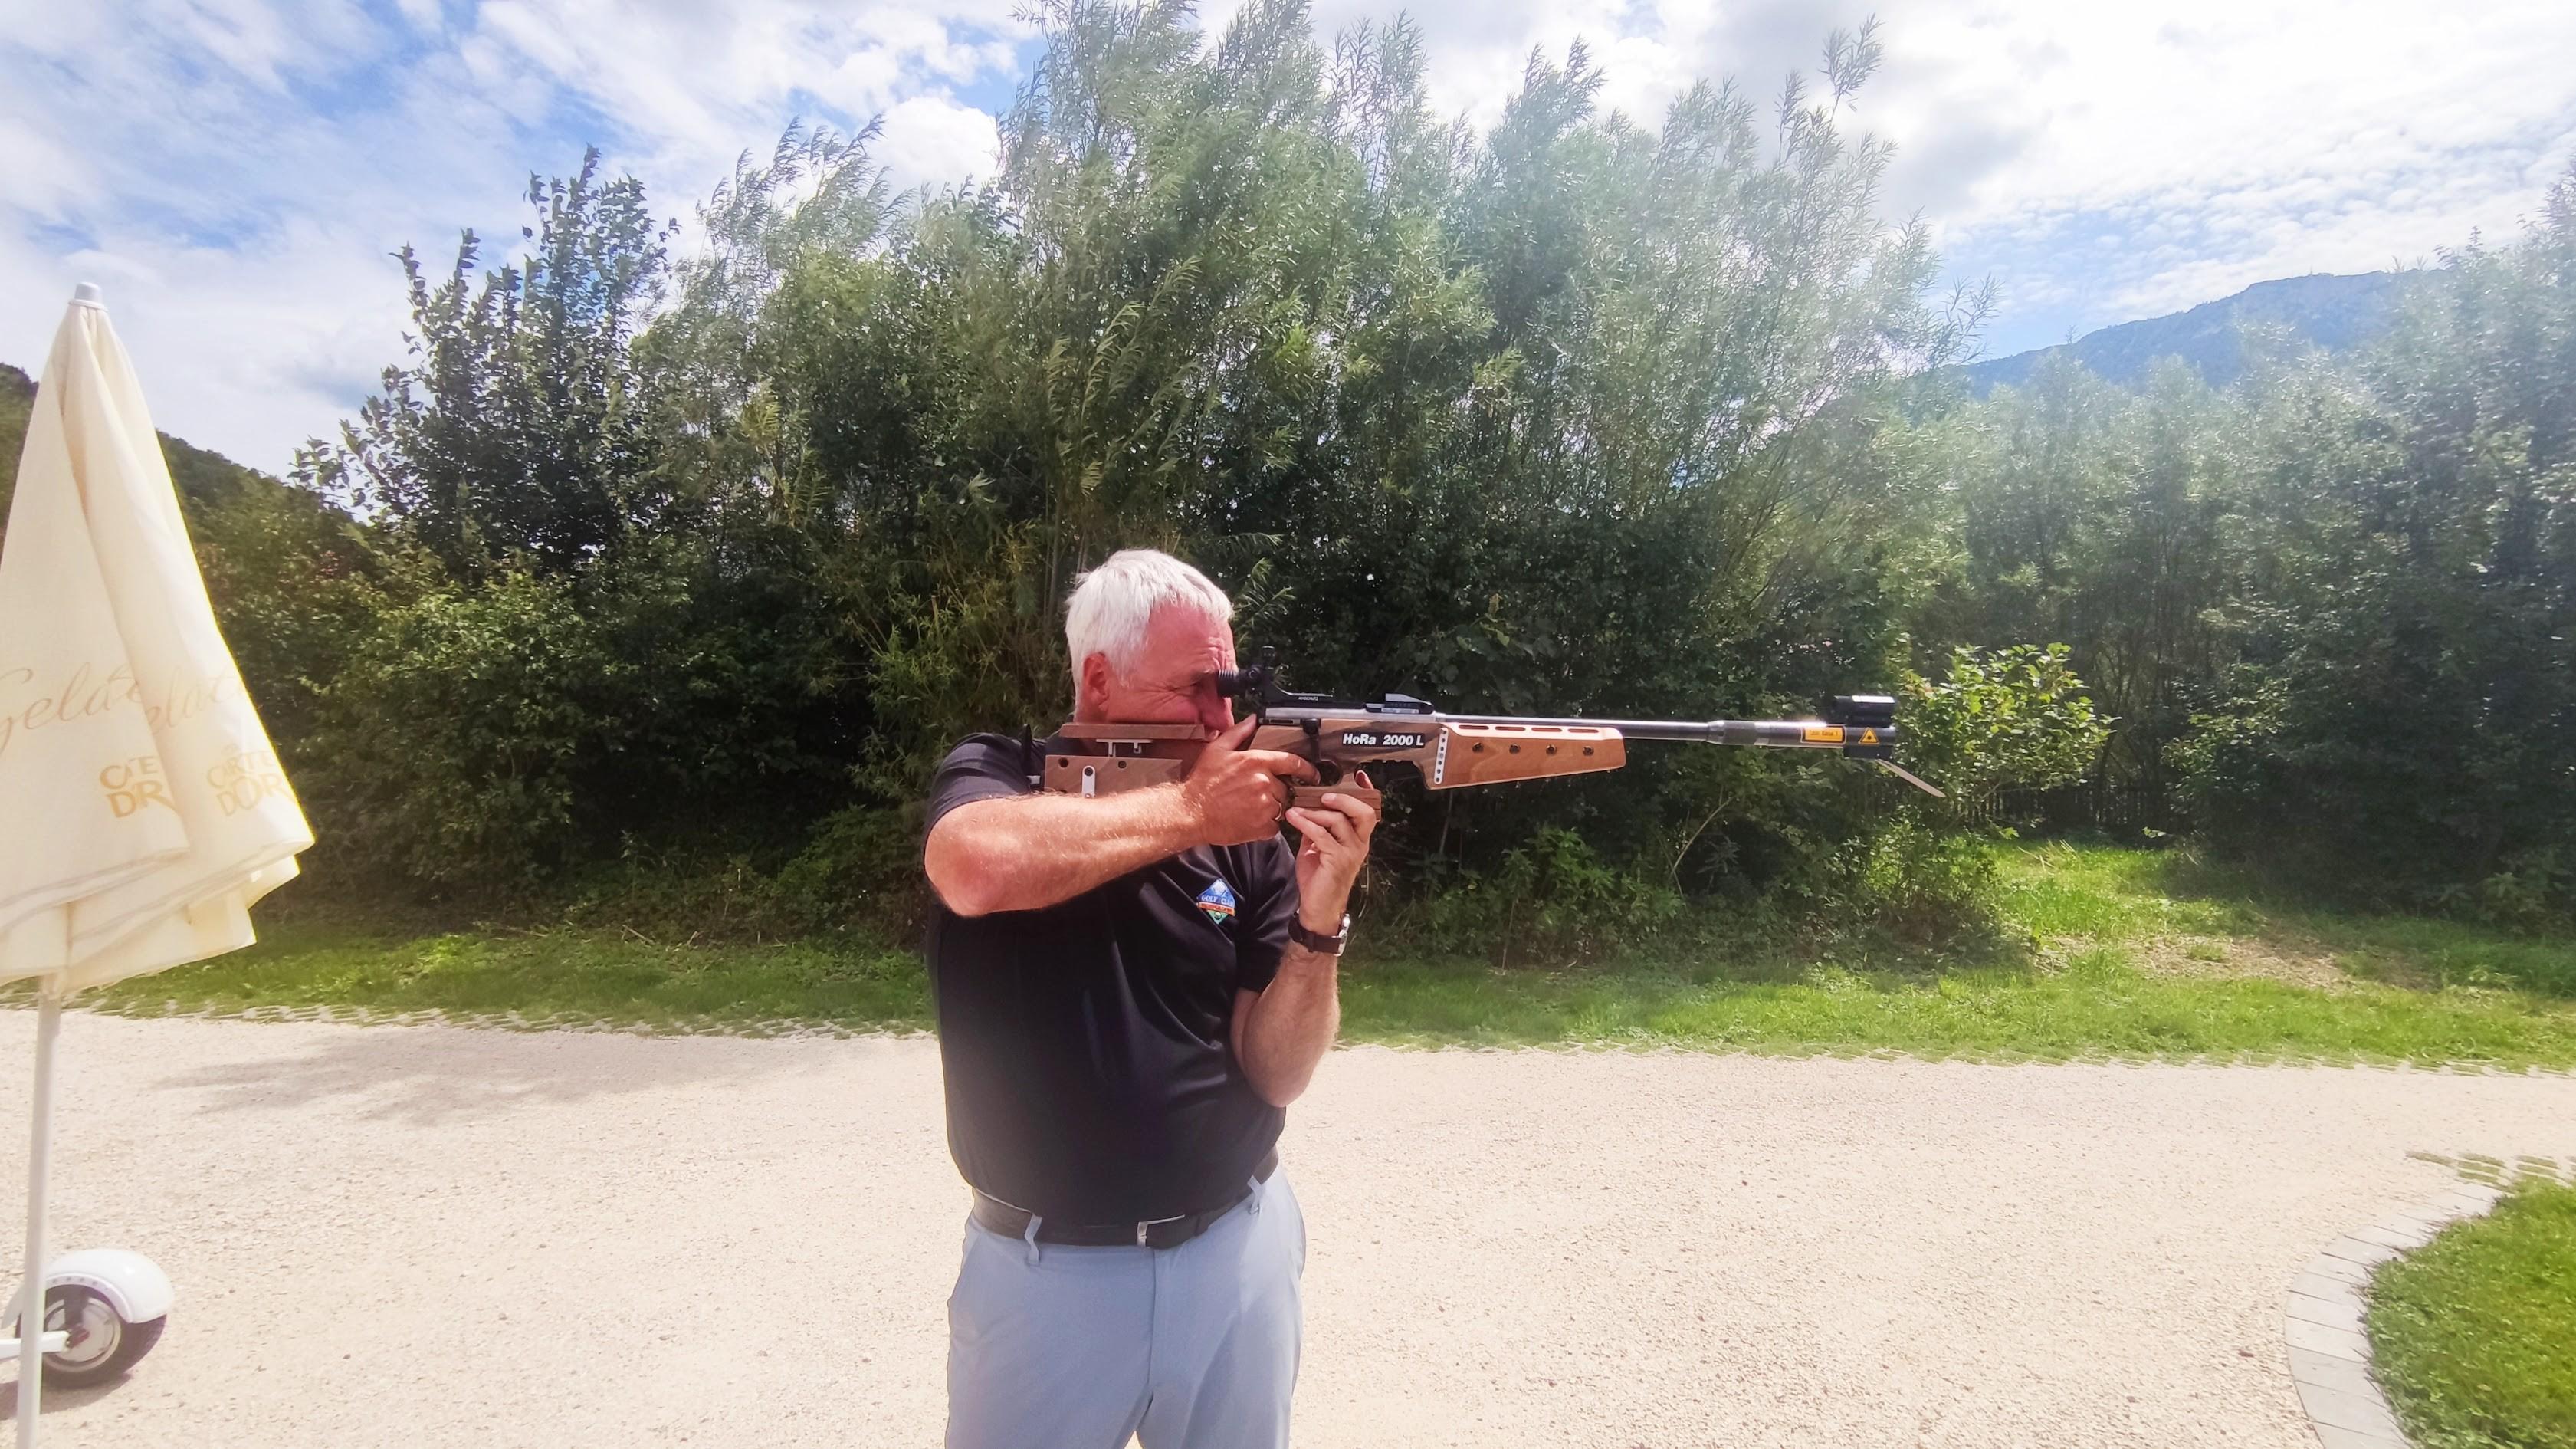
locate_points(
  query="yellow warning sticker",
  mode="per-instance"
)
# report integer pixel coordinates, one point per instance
(1824, 734)
(1869, 737)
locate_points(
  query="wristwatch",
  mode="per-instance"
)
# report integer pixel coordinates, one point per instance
(1321, 945)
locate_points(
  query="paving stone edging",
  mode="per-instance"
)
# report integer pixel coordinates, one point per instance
(2329, 1344)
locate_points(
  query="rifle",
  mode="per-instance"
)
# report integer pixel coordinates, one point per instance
(1450, 750)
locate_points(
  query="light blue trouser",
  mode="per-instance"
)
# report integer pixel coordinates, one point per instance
(1194, 1347)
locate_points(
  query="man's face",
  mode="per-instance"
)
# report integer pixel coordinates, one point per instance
(1173, 679)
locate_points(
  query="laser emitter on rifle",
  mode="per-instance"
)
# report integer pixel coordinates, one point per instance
(1450, 750)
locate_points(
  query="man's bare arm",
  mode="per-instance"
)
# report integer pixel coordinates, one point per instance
(1282, 1032)
(1032, 851)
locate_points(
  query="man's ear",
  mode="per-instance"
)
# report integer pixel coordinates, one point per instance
(1094, 683)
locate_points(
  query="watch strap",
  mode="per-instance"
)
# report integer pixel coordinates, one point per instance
(1314, 941)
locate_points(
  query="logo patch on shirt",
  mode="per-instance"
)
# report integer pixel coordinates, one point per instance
(1218, 902)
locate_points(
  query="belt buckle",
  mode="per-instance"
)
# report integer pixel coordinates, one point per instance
(1143, 1224)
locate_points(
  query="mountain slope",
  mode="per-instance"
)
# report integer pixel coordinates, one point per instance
(2331, 312)
(204, 479)
(17, 396)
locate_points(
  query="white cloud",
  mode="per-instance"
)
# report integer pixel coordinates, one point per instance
(38, 175)
(693, 83)
(2278, 138)
(934, 141)
(236, 170)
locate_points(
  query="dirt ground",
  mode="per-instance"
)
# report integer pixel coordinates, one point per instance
(427, 1236)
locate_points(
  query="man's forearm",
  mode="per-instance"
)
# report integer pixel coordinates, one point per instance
(1290, 1025)
(1032, 851)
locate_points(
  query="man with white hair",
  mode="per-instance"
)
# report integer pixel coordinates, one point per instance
(1130, 991)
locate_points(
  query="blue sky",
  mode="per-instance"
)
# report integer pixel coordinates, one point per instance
(236, 172)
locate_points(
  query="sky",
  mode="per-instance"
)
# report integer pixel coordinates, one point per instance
(236, 173)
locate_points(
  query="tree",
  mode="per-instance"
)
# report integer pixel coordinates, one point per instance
(517, 430)
(2406, 626)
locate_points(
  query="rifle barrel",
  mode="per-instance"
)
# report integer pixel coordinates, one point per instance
(1792, 734)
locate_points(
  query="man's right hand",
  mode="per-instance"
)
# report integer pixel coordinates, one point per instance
(1236, 795)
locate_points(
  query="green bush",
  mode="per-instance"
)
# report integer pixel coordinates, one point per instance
(448, 746)
(2000, 719)
(1550, 902)
(860, 867)
(2536, 891)
(856, 872)
(1922, 885)
(2392, 727)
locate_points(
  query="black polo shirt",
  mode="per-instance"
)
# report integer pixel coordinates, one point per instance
(1085, 1046)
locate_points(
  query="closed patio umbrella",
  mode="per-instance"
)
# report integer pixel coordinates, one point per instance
(146, 807)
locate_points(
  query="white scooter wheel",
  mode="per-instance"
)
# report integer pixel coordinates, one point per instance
(102, 1344)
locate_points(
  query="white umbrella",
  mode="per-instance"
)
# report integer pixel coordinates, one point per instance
(148, 808)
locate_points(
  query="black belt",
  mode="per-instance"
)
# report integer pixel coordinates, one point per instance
(994, 1215)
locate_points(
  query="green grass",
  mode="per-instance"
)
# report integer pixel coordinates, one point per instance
(2097, 1006)
(2096, 920)
(579, 975)
(2100, 894)
(2474, 1334)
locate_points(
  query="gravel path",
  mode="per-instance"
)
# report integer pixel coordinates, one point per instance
(426, 1236)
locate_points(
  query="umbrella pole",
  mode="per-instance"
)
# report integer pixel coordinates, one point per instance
(31, 1288)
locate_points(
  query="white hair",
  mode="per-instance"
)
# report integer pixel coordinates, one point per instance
(1111, 604)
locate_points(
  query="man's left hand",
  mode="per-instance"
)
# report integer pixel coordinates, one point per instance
(1337, 844)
